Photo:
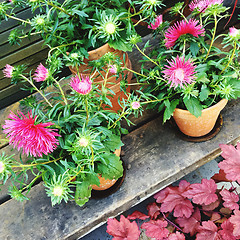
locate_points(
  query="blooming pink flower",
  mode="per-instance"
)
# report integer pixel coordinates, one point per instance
(158, 22)
(83, 86)
(233, 32)
(179, 72)
(202, 5)
(113, 69)
(7, 71)
(41, 73)
(182, 28)
(35, 139)
(135, 105)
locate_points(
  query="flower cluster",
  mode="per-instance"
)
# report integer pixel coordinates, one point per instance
(73, 136)
(193, 67)
(190, 211)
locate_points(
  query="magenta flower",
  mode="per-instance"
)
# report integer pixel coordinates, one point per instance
(7, 71)
(158, 22)
(181, 28)
(113, 69)
(202, 5)
(83, 86)
(233, 32)
(41, 73)
(179, 72)
(34, 139)
(135, 105)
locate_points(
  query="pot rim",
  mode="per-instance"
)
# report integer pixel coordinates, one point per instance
(222, 101)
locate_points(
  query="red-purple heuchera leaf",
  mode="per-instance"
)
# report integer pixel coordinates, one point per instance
(208, 231)
(190, 225)
(156, 229)
(235, 220)
(153, 210)
(230, 199)
(202, 193)
(175, 201)
(176, 236)
(161, 195)
(227, 230)
(211, 206)
(123, 230)
(231, 164)
(137, 214)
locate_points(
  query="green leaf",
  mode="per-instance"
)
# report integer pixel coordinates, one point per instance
(83, 193)
(170, 107)
(114, 142)
(193, 106)
(112, 170)
(204, 93)
(194, 48)
(235, 83)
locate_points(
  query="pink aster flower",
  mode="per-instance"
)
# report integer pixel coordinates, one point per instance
(181, 28)
(233, 32)
(34, 139)
(41, 73)
(113, 69)
(7, 71)
(135, 105)
(179, 72)
(202, 5)
(158, 22)
(83, 86)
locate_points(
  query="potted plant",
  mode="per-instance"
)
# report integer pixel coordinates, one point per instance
(206, 210)
(69, 139)
(78, 32)
(195, 68)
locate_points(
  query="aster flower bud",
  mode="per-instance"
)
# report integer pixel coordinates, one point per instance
(83, 142)
(135, 105)
(58, 191)
(2, 167)
(7, 71)
(234, 33)
(113, 69)
(41, 73)
(158, 22)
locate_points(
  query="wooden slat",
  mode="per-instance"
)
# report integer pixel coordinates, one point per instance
(155, 157)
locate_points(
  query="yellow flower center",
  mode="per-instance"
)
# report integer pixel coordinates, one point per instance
(40, 21)
(152, 2)
(110, 28)
(83, 142)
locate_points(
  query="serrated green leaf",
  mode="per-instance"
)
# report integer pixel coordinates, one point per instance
(114, 142)
(83, 193)
(204, 93)
(170, 107)
(194, 48)
(193, 106)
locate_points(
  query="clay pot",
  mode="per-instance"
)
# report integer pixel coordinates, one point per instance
(197, 127)
(106, 183)
(115, 86)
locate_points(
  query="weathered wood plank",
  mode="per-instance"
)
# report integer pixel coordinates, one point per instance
(154, 157)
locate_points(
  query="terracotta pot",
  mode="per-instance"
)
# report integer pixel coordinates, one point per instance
(197, 127)
(106, 183)
(115, 86)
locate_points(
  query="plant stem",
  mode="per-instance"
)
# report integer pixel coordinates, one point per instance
(64, 45)
(69, 180)
(32, 182)
(36, 89)
(145, 55)
(130, 70)
(87, 113)
(59, 8)
(178, 228)
(34, 164)
(140, 21)
(213, 36)
(61, 90)
(18, 19)
(231, 58)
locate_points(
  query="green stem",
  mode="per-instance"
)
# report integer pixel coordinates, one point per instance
(146, 55)
(64, 45)
(69, 180)
(34, 180)
(61, 90)
(87, 113)
(140, 21)
(18, 19)
(37, 90)
(137, 73)
(213, 36)
(59, 8)
(231, 58)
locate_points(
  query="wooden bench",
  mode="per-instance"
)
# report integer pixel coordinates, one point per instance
(154, 156)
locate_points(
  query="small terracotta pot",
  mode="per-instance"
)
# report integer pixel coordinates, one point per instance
(113, 83)
(106, 183)
(197, 127)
